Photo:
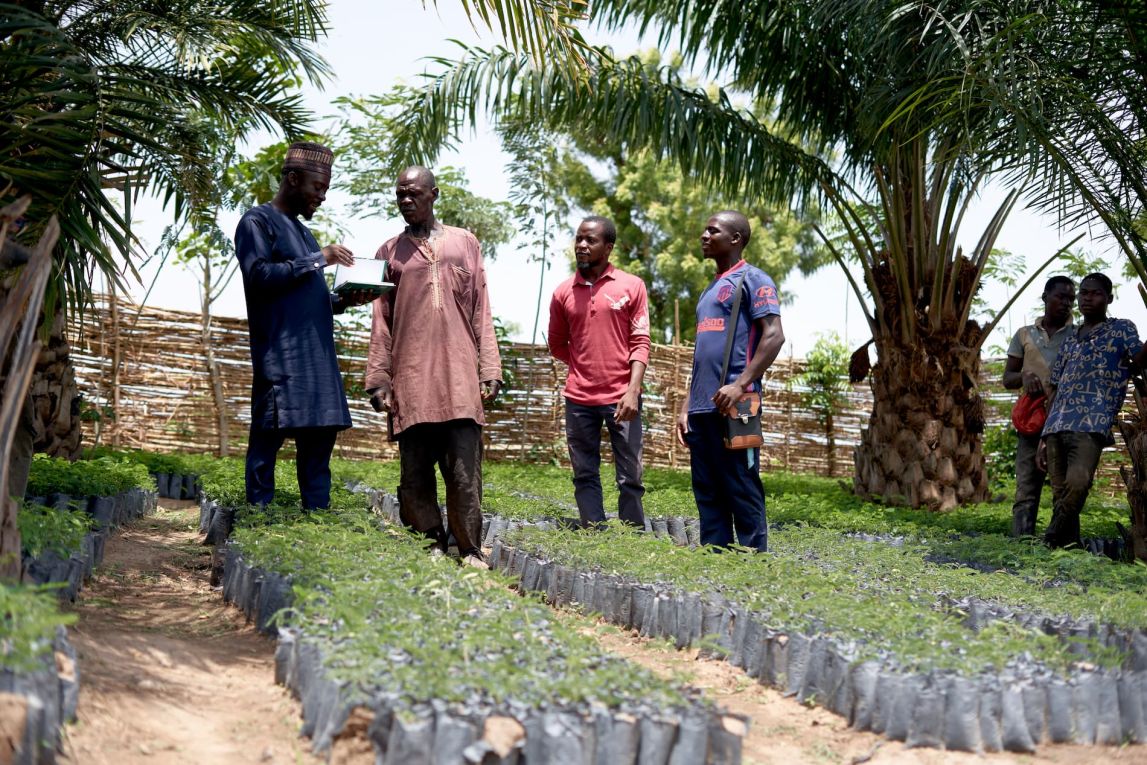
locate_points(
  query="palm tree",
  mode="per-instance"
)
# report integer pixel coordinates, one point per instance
(18, 343)
(1082, 130)
(110, 97)
(841, 75)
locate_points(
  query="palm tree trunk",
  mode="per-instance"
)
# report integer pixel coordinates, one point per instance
(922, 446)
(1134, 431)
(56, 397)
(19, 316)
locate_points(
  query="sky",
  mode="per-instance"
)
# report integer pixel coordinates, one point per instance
(373, 44)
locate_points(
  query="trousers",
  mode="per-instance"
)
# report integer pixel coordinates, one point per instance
(583, 437)
(726, 485)
(313, 447)
(1029, 485)
(1071, 462)
(455, 447)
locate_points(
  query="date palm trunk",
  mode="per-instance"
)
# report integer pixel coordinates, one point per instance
(1134, 431)
(20, 303)
(923, 443)
(55, 397)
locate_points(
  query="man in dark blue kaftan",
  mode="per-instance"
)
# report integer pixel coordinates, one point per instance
(297, 390)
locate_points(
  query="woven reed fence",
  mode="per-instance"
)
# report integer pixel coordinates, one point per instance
(144, 373)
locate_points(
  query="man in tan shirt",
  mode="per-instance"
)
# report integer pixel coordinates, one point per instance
(433, 362)
(1031, 355)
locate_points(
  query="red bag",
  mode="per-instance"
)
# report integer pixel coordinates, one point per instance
(1029, 414)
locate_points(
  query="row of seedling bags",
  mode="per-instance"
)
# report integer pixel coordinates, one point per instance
(69, 569)
(176, 486)
(444, 659)
(38, 702)
(943, 709)
(48, 693)
(1013, 709)
(1078, 633)
(991, 711)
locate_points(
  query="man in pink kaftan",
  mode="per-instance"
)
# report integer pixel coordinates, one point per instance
(433, 363)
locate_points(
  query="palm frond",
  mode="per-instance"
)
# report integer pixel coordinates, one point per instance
(709, 137)
(103, 98)
(546, 30)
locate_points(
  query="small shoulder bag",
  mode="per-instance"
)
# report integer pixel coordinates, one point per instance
(742, 420)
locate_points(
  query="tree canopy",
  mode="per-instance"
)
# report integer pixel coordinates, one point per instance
(122, 96)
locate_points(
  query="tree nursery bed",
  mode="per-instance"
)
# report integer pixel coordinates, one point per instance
(934, 629)
(885, 658)
(64, 525)
(445, 661)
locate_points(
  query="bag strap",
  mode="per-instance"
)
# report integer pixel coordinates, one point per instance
(731, 330)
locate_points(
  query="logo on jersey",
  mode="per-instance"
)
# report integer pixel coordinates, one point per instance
(766, 295)
(711, 325)
(724, 293)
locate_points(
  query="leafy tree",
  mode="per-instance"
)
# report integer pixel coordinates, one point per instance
(537, 177)
(824, 382)
(659, 212)
(848, 77)
(368, 165)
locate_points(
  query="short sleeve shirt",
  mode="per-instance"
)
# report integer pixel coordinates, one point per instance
(714, 307)
(1038, 349)
(1090, 378)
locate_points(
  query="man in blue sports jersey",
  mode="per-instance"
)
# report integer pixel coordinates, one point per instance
(727, 482)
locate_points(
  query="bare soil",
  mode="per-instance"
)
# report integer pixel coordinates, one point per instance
(786, 732)
(169, 674)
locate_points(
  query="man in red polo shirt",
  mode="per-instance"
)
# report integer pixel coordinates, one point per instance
(599, 326)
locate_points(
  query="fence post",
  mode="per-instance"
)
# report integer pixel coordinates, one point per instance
(116, 355)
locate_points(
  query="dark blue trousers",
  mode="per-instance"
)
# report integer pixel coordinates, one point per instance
(727, 486)
(313, 447)
(583, 436)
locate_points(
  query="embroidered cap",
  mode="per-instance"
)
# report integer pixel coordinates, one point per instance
(306, 155)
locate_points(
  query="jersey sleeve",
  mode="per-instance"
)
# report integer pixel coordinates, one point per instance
(1130, 337)
(762, 294)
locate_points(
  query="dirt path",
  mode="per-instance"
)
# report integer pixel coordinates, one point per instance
(785, 732)
(169, 674)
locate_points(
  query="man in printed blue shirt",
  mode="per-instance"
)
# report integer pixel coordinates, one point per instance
(726, 482)
(1088, 385)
